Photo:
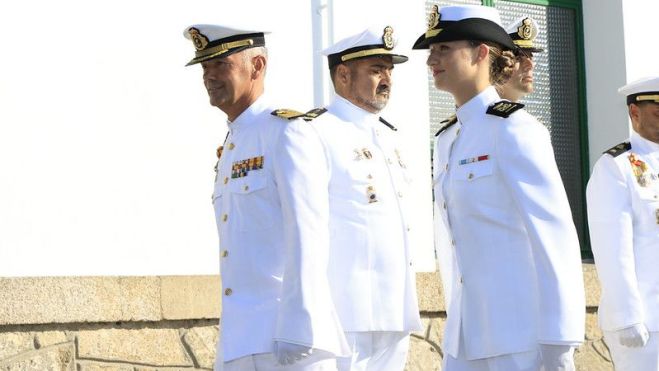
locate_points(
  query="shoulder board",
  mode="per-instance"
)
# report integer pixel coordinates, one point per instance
(618, 149)
(388, 124)
(310, 115)
(447, 124)
(287, 114)
(504, 108)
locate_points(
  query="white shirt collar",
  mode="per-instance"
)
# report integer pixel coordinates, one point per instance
(347, 111)
(477, 105)
(248, 115)
(641, 145)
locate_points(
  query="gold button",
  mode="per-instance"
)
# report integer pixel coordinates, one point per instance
(231, 146)
(400, 194)
(226, 179)
(225, 253)
(389, 161)
(453, 242)
(470, 176)
(369, 176)
(228, 292)
(225, 217)
(408, 228)
(444, 205)
(246, 187)
(461, 280)
(446, 167)
(377, 132)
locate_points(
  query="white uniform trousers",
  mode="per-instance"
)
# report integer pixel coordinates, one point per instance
(524, 361)
(375, 351)
(268, 362)
(633, 359)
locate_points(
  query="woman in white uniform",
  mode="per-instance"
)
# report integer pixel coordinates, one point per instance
(508, 249)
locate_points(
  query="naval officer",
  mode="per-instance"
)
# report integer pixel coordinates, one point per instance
(358, 209)
(523, 31)
(623, 216)
(252, 228)
(508, 249)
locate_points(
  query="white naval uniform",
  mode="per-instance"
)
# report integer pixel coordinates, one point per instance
(508, 249)
(623, 216)
(253, 230)
(358, 211)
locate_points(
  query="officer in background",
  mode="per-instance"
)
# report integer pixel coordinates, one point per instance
(623, 216)
(357, 210)
(507, 246)
(253, 230)
(523, 32)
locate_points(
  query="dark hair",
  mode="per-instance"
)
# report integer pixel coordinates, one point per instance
(501, 62)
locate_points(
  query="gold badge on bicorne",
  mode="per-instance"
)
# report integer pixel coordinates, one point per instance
(640, 170)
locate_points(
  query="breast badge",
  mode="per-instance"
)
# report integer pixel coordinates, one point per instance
(640, 170)
(241, 168)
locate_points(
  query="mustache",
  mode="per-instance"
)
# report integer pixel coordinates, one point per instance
(383, 89)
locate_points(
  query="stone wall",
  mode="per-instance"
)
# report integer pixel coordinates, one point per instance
(170, 323)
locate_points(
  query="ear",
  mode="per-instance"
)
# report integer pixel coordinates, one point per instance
(259, 64)
(633, 112)
(483, 52)
(342, 74)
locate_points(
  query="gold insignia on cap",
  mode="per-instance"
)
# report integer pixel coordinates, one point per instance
(433, 21)
(526, 31)
(388, 38)
(433, 17)
(198, 39)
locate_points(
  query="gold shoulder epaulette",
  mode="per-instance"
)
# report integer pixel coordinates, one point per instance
(504, 108)
(618, 149)
(287, 114)
(290, 114)
(447, 124)
(314, 113)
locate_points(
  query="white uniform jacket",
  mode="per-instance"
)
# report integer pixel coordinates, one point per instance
(256, 236)
(508, 249)
(357, 209)
(623, 216)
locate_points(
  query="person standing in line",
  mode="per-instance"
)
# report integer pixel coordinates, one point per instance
(523, 32)
(511, 264)
(358, 208)
(623, 217)
(254, 231)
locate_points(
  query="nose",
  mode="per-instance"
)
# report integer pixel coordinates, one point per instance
(528, 63)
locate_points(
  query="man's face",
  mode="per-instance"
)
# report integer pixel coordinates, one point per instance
(645, 120)
(369, 84)
(521, 82)
(452, 64)
(227, 80)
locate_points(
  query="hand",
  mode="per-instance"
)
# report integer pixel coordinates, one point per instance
(288, 353)
(634, 336)
(557, 357)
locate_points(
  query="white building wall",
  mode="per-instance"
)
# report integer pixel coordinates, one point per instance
(107, 142)
(619, 48)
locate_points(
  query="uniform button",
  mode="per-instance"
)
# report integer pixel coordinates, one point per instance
(446, 167)
(408, 228)
(461, 280)
(457, 131)
(444, 205)
(225, 253)
(377, 132)
(369, 176)
(226, 179)
(246, 188)
(225, 217)
(389, 161)
(228, 292)
(410, 264)
(231, 146)
(470, 176)
(400, 194)
(453, 242)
